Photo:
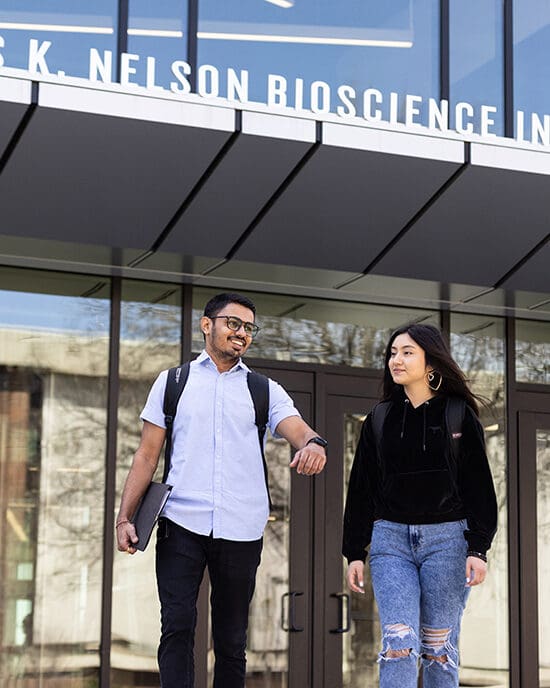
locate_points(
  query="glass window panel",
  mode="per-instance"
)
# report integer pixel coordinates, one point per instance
(477, 344)
(543, 551)
(533, 351)
(150, 342)
(477, 58)
(317, 331)
(532, 63)
(392, 47)
(54, 344)
(72, 28)
(157, 33)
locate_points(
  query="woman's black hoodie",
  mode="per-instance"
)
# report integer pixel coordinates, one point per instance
(415, 482)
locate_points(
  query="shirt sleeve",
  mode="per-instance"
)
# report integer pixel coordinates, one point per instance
(359, 509)
(476, 486)
(281, 406)
(152, 411)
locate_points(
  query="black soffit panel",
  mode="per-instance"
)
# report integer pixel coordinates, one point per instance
(103, 166)
(483, 225)
(534, 274)
(102, 179)
(347, 204)
(15, 98)
(267, 150)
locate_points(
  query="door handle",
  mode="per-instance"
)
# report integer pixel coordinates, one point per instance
(291, 628)
(344, 612)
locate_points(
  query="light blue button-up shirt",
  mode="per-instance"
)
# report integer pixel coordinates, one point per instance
(216, 470)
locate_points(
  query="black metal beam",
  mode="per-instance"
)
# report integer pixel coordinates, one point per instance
(192, 41)
(444, 50)
(21, 127)
(508, 10)
(110, 484)
(122, 33)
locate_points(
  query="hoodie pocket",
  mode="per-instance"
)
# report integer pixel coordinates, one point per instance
(421, 492)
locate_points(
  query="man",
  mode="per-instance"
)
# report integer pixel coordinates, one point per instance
(218, 507)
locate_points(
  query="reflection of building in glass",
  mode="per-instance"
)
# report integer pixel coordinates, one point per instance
(325, 158)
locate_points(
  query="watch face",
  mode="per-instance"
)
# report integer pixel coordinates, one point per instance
(318, 440)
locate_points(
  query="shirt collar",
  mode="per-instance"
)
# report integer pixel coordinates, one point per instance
(205, 358)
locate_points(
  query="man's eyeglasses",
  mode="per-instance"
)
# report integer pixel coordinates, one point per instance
(235, 324)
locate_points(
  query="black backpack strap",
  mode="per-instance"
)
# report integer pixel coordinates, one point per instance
(258, 386)
(175, 382)
(379, 413)
(455, 410)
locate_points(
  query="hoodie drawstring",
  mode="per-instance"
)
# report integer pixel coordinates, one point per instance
(424, 407)
(406, 406)
(424, 427)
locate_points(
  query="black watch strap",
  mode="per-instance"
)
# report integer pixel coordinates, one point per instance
(317, 440)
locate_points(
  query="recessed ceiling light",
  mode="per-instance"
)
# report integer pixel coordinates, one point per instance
(312, 40)
(157, 33)
(282, 3)
(65, 28)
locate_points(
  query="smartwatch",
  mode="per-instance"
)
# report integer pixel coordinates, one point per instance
(317, 440)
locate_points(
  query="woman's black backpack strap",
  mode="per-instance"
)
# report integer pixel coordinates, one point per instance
(455, 410)
(175, 382)
(379, 413)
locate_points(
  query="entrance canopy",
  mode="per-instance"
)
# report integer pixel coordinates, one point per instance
(99, 177)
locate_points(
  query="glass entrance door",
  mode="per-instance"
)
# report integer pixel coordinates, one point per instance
(534, 546)
(351, 632)
(280, 622)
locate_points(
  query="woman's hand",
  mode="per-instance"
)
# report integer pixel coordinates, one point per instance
(356, 571)
(476, 570)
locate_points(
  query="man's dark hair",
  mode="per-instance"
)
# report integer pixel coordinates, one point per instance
(220, 301)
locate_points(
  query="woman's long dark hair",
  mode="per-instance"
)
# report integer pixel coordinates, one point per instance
(438, 356)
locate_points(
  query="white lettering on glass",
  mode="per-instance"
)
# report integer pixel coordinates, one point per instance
(37, 56)
(368, 113)
(438, 114)
(101, 68)
(394, 108)
(347, 96)
(126, 68)
(486, 120)
(181, 70)
(540, 131)
(520, 125)
(411, 111)
(209, 82)
(152, 74)
(320, 98)
(462, 109)
(299, 94)
(276, 90)
(237, 86)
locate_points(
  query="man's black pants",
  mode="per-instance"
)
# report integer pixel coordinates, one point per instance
(181, 559)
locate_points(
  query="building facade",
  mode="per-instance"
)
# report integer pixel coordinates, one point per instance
(351, 167)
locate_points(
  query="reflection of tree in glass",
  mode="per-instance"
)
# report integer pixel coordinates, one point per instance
(533, 361)
(312, 341)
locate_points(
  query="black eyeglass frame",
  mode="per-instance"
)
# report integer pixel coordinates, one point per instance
(254, 329)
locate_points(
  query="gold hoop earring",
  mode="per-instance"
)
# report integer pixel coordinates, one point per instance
(430, 377)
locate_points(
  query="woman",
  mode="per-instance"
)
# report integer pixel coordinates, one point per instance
(428, 511)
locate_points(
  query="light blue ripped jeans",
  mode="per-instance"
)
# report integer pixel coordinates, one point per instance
(419, 577)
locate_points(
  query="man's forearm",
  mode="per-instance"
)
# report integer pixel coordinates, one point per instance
(138, 479)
